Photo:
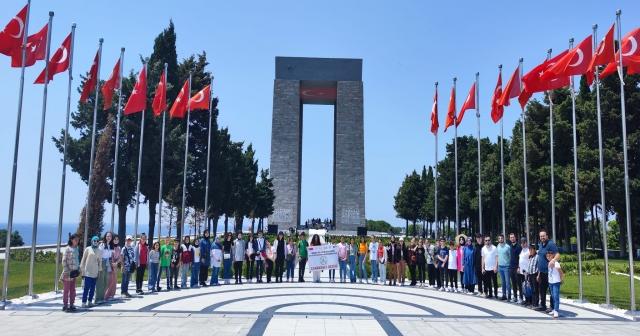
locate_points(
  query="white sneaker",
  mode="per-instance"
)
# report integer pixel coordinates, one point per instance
(519, 302)
(555, 314)
(551, 312)
(514, 300)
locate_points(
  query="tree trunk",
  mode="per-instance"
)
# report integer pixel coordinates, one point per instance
(152, 221)
(593, 230)
(406, 232)
(226, 225)
(253, 225)
(567, 233)
(179, 225)
(215, 225)
(622, 224)
(238, 223)
(122, 222)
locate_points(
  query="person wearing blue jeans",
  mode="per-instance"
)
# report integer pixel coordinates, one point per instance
(343, 256)
(373, 258)
(353, 252)
(556, 278)
(226, 257)
(362, 253)
(195, 269)
(154, 262)
(216, 258)
(291, 261)
(504, 260)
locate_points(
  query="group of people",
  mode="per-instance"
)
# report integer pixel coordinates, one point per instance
(317, 223)
(526, 270)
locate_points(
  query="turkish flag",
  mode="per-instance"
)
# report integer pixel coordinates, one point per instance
(497, 110)
(630, 54)
(201, 100)
(179, 107)
(605, 53)
(576, 62)
(451, 112)
(321, 93)
(90, 82)
(469, 103)
(110, 85)
(59, 62)
(12, 36)
(512, 89)
(138, 99)
(160, 100)
(434, 115)
(36, 49)
(532, 83)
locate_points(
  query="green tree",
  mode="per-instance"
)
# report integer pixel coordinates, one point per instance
(410, 198)
(16, 238)
(381, 226)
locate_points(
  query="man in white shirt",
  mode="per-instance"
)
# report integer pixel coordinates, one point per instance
(373, 257)
(523, 266)
(489, 267)
(259, 258)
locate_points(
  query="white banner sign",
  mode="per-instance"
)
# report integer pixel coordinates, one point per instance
(323, 257)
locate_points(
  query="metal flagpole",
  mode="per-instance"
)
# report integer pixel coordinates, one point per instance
(504, 217)
(553, 183)
(64, 159)
(575, 184)
(135, 226)
(93, 145)
(479, 169)
(115, 165)
(12, 197)
(632, 310)
(436, 176)
(455, 136)
(164, 118)
(524, 153)
(39, 173)
(602, 200)
(206, 194)
(186, 155)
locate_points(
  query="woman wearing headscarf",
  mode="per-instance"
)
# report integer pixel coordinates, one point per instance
(226, 257)
(460, 249)
(195, 269)
(315, 241)
(105, 267)
(205, 258)
(70, 272)
(90, 268)
(113, 275)
(468, 278)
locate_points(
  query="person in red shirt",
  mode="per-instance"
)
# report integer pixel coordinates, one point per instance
(141, 255)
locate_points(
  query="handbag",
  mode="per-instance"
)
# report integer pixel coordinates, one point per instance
(226, 255)
(74, 274)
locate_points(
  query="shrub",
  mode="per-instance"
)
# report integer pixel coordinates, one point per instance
(40, 257)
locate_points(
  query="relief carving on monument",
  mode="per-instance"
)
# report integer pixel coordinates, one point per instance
(282, 216)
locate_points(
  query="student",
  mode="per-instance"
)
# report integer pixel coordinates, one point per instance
(468, 275)
(128, 267)
(90, 267)
(489, 268)
(373, 257)
(532, 275)
(353, 254)
(105, 267)
(195, 259)
(302, 256)
(402, 265)
(154, 260)
(343, 259)
(382, 262)
(362, 254)
(70, 273)
(393, 257)
(523, 267)
(141, 255)
(332, 272)
(176, 263)
(205, 258)
(442, 254)
(238, 251)
(460, 254)
(477, 263)
(250, 257)
(504, 260)
(186, 259)
(421, 261)
(412, 260)
(216, 260)
(543, 269)
(315, 241)
(260, 256)
(432, 262)
(556, 278)
(516, 284)
(453, 268)
(165, 262)
(227, 258)
(279, 250)
(271, 257)
(290, 258)
(109, 295)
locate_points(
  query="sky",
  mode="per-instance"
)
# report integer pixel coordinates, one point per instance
(406, 47)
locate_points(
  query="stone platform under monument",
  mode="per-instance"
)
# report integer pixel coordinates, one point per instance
(322, 81)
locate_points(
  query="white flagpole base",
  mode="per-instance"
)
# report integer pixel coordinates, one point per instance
(580, 301)
(4, 304)
(633, 315)
(608, 306)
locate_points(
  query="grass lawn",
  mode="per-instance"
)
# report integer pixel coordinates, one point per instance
(593, 289)
(615, 265)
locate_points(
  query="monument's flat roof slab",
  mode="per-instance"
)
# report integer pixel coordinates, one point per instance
(319, 69)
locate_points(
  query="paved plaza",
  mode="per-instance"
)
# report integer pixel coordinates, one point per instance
(306, 309)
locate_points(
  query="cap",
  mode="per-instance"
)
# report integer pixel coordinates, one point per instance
(523, 239)
(129, 237)
(280, 233)
(401, 238)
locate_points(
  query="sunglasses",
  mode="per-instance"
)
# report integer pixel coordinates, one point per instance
(487, 240)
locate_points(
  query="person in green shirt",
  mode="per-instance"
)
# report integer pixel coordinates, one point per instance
(165, 261)
(302, 252)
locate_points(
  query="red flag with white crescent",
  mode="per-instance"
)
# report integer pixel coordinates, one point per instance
(576, 62)
(138, 99)
(512, 89)
(59, 62)
(160, 100)
(605, 53)
(630, 54)
(90, 82)
(201, 100)
(12, 35)
(111, 85)
(179, 107)
(434, 114)
(497, 110)
(451, 112)
(36, 49)
(469, 103)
